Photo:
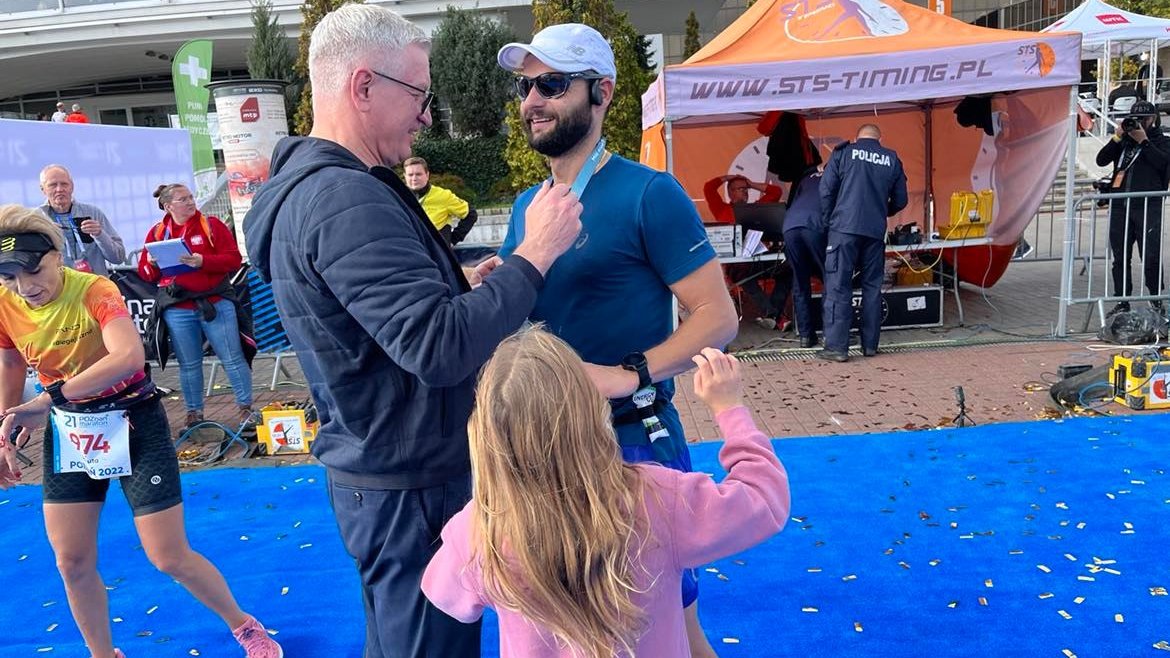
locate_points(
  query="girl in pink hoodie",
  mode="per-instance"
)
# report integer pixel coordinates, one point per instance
(579, 553)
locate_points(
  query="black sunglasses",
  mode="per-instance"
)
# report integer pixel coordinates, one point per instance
(428, 96)
(553, 84)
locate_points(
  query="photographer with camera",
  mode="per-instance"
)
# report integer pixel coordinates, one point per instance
(1140, 155)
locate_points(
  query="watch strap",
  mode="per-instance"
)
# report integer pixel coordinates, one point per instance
(642, 367)
(55, 394)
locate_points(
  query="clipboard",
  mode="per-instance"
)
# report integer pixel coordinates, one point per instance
(166, 255)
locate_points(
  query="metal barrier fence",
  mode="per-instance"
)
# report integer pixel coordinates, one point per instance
(1109, 238)
(1043, 238)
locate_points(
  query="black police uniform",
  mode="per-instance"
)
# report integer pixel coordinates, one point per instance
(863, 184)
(804, 247)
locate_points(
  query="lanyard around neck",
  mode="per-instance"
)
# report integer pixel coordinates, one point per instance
(590, 167)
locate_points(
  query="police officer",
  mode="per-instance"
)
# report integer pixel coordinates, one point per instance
(863, 184)
(804, 248)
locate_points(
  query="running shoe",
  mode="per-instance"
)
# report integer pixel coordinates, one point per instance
(256, 641)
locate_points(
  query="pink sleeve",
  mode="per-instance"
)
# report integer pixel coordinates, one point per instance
(751, 504)
(450, 581)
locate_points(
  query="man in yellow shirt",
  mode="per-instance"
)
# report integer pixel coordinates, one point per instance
(440, 204)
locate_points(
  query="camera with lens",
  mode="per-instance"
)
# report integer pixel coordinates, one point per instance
(1129, 123)
(1103, 186)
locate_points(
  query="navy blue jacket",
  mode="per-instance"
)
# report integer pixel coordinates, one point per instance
(384, 324)
(804, 203)
(863, 185)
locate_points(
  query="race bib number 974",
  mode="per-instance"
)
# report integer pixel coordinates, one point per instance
(95, 444)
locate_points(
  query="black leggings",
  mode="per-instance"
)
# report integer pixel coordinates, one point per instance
(153, 484)
(1144, 229)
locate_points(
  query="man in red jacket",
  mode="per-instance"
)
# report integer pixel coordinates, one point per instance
(76, 116)
(771, 307)
(737, 192)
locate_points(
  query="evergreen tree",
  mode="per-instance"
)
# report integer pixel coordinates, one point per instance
(645, 54)
(691, 43)
(269, 56)
(464, 71)
(312, 11)
(623, 124)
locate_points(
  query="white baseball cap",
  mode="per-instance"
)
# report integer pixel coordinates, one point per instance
(568, 48)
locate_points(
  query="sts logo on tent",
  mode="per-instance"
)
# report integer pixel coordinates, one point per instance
(1038, 58)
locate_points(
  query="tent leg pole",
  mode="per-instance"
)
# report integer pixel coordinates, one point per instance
(1066, 264)
(669, 137)
(928, 200)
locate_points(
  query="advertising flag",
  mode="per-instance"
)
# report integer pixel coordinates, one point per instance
(191, 72)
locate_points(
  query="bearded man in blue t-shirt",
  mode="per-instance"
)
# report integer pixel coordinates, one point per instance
(641, 244)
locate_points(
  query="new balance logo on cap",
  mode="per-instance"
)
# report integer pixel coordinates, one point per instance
(567, 48)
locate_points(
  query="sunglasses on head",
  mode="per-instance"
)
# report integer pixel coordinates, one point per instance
(553, 84)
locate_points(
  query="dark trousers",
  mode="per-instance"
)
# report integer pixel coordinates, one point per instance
(392, 534)
(771, 306)
(805, 250)
(845, 254)
(1143, 230)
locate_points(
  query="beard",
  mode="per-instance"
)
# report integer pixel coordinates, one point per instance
(570, 129)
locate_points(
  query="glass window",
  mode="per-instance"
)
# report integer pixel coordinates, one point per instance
(89, 3)
(114, 117)
(14, 6)
(154, 116)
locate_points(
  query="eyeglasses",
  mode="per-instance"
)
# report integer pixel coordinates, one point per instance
(428, 96)
(553, 84)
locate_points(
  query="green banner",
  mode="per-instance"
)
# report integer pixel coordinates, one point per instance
(191, 72)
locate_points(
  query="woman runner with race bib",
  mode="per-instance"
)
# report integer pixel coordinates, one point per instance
(103, 420)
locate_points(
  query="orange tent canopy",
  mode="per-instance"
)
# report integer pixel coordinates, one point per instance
(842, 63)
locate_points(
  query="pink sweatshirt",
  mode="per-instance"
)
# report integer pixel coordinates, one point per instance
(693, 521)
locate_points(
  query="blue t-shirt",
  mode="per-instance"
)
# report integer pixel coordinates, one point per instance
(609, 294)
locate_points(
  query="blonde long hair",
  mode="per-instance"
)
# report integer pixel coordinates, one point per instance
(557, 512)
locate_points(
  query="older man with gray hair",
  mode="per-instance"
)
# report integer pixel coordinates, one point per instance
(90, 238)
(390, 331)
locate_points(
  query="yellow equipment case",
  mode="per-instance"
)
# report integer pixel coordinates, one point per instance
(971, 212)
(1141, 381)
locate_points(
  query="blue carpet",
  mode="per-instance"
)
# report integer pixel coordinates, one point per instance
(943, 543)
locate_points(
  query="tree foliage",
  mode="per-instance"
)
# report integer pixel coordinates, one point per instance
(623, 124)
(312, 12)
(691, 42)
(1157, 8)
(477, 161)
(269, 55)
(464, 71)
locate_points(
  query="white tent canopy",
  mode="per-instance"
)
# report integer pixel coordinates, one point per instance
(1102, 24)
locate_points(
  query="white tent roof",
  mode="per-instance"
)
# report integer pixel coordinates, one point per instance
(1100, 22)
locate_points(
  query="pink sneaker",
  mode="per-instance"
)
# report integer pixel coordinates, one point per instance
(118, 653)
(256, 641)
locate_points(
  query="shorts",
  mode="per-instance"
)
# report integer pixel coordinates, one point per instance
(153, 484)
(680, 460)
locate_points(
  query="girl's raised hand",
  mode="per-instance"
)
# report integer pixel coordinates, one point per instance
(717, 381)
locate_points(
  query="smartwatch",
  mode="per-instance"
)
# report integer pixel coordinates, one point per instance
(55, 394)
(636, 362)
